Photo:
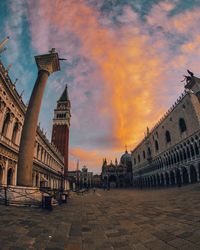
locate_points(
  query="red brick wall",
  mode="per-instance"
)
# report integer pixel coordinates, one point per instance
(60, 138)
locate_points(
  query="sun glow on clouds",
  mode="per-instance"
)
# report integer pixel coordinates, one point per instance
(119, 67)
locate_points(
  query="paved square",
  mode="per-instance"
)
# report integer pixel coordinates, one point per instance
(117, 219)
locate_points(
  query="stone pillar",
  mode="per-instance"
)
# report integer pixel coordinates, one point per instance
(15, 175)
(189, 177)
(47, 64)
(165, 182)
(175, 178)
(6, 172)
(197, 170)
(181, 173)
(2, 113)
(17, 142)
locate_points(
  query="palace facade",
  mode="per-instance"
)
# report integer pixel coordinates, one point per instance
(170, 153)
(48, 164)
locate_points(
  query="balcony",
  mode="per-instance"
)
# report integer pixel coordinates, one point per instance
(8, 142)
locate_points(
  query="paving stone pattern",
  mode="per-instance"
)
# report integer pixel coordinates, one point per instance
(120, 219)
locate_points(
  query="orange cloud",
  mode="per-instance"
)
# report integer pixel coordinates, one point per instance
(132, 63)
(81, 155)
(123, 59)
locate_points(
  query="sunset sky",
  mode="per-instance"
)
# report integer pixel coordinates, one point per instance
(125, 63)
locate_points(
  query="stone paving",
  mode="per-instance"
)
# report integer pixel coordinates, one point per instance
(117, 219)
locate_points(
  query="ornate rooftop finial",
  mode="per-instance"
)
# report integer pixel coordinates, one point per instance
(3, 43)
(7, 70)
(126, 149)
(15, 81)
(21, 94)
(53, 50)
(77, 165)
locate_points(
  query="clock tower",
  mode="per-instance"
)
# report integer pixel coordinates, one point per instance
(61, 124)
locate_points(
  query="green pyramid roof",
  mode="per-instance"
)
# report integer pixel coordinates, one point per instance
(64, 97)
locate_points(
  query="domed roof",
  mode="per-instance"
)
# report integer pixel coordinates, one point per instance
(125, 158)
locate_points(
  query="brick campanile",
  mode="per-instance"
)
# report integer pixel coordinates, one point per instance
(61, 124)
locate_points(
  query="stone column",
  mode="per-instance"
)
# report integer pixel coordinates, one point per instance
(46, 64)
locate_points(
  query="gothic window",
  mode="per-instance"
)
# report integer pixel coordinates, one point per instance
(156, 145)
(149, 152)
(184, 154)
(188, 153)
(182, 125)
(134, 161)
(144, 155)
(196, 148)
(177, 156)
(14, 134)
(174, 157)
(6, 124)
(192, 150)
(181, 156)
(138, 158)
(167, 136)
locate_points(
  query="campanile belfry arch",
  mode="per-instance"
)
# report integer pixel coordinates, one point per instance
(47, 64)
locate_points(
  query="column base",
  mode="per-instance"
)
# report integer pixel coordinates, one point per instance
(20, 196)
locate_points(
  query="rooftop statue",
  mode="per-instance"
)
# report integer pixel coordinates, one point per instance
(189, 79)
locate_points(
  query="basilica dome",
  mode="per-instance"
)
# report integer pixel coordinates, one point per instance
(125, 158)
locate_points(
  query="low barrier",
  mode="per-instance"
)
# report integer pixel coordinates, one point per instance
(31, 196)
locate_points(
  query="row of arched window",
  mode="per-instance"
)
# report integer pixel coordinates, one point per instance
(185, 151)
(43, 156)
(61, 115)
(10, 176)
(182, 128)
(5, 127)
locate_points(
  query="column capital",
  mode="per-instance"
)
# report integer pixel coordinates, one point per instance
(48, 62)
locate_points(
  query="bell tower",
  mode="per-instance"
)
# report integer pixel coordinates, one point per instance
(61, 124)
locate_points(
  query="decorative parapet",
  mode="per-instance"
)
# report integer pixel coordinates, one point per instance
(167, 113)
(143, 167)
(11, 86)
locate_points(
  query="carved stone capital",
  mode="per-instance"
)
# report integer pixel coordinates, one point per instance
(2, 106)
(48, 62)
(11, 117)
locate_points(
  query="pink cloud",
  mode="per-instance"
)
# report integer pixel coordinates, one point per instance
(125, 76)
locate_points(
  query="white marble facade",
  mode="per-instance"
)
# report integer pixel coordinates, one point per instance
(170, 152)
(48, 163)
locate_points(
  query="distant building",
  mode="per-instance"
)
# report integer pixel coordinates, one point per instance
(117, 175)
(170, 153)
(85, 178)
(96, 180)
(81, 178)
(74, 179)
